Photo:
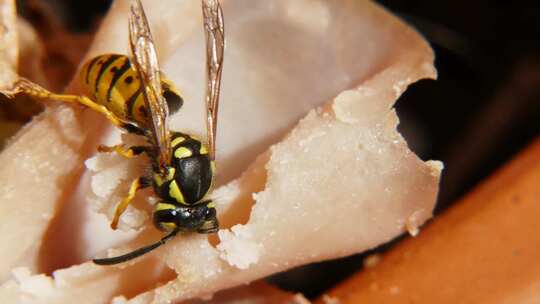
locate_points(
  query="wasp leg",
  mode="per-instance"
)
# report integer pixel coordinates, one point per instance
(25, 86)
(121, 150)
(137, 184)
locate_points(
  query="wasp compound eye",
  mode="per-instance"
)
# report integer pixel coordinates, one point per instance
(166, 219)
(210, 224)
(210, 213)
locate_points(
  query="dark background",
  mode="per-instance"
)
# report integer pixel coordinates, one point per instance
(483, 109)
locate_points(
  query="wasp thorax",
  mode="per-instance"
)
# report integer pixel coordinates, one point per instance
(200, 217)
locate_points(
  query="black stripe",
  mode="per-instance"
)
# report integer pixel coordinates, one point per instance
(193, 145)
(130, 128)
(117, 74)
(90, 65)
(130, 103)
(103, 68)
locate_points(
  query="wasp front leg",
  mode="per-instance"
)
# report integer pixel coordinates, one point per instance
(121, 150)
(137, 184)
(25, 86)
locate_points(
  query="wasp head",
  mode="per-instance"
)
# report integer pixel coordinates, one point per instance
(199, 218)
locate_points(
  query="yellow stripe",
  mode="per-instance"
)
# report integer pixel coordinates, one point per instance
(167, 226)
(93, 72)
(159, 181)
(105, 80)
(182, 152)
(211, 205)
(136, 111)
(88, 73)
(174, 192)
(164, 206)
(203, 150)
(122, 91)
(175, 142)
(170, 86)
(124, 88)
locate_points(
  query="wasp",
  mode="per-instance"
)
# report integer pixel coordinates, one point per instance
(133, 94)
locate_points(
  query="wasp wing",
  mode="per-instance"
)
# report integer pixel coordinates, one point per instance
(215, 44)
(145, 61)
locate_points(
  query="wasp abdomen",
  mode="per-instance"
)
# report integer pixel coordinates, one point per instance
(113, 82)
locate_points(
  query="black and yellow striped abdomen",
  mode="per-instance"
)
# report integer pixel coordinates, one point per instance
(112, 81)
(190, 175)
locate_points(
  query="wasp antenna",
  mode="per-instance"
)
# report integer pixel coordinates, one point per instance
(135, 253)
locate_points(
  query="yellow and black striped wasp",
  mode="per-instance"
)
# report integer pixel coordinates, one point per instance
(134, 95)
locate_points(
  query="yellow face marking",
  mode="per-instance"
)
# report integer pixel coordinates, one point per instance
(203, 150)
(159, 181)
(167, 226)
(174, 192)
(182, 152)
(175, 142)
(165, 206)
(211, 205)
